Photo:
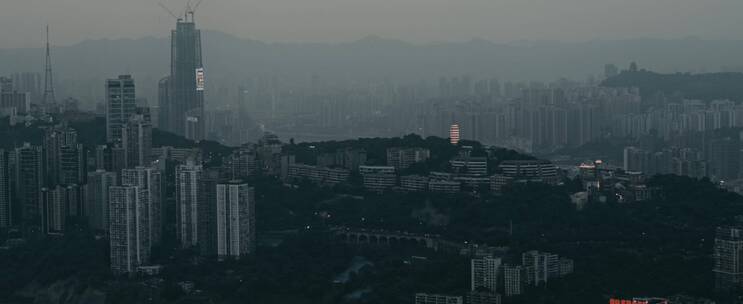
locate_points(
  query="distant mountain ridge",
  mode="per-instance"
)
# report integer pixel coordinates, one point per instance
(229, 61)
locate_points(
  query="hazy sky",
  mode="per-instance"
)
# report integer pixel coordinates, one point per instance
(22, 21)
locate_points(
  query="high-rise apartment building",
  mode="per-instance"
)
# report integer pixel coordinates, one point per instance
(207, 209)
(540, 266)
(28, 179)
(64, 157)
(187, 178)
(514, 279)
(53, 210)
(484, 273)
(137, 141)
(129, 235)
(5, 206)
(57, 204)
(111, 158)
(182, 94)
(121, 104)
(97, 198)
(728, 258)
(149, 179)
(235, 219)
(54, 138)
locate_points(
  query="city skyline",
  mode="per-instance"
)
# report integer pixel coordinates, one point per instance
(216, 169)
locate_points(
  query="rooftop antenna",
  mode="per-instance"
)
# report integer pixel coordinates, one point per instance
(48, 81)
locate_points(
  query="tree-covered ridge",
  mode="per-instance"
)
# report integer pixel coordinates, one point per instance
(711, 86)
(442, 151)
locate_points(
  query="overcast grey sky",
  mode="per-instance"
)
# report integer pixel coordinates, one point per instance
(22, 21)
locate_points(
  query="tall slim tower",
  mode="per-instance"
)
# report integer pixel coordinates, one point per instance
(187, 179)
(185, 109)
(128, 228)
(28, 179)
(48, 81)
(149, 179)
(235, 220)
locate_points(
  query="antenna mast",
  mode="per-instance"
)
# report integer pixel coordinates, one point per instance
(48, 81)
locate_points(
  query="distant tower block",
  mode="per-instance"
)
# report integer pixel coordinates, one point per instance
(454, 134)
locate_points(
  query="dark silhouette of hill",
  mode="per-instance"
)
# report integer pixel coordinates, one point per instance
(710, 86)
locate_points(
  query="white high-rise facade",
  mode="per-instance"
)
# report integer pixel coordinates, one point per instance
(129, 235)
(121, 104)
(235, 219)
(187, 179)
(149, 179)
(485, 273)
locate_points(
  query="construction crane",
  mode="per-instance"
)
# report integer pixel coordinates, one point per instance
(191, 9)
(169, 11)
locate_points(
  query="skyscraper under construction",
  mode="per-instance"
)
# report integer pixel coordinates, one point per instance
(182, 93)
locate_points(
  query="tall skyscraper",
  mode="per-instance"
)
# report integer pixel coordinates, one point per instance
(484, 273)
(137, 140)
(149, 179)
(185, 92)
(728, 258)
(5, 207)
(97, 196)
(235, 219)
(129, 237)
(121, 104)
(187, 178)
(28, 180)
